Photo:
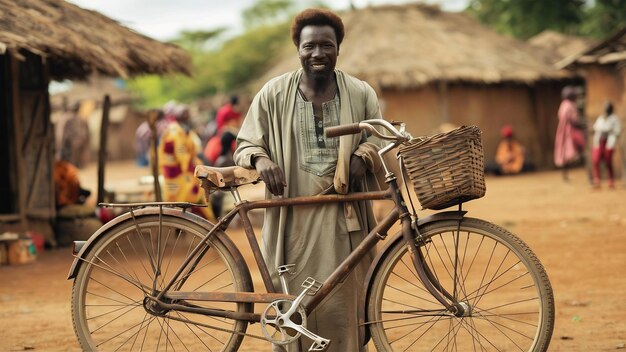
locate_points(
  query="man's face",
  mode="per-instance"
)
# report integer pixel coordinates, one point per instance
(318, 50)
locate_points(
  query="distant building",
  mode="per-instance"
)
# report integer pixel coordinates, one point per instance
(44, 40)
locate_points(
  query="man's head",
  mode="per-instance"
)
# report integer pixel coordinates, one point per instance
(234, 100)
(317, 33)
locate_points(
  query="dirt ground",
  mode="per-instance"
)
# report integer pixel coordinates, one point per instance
(579, 234)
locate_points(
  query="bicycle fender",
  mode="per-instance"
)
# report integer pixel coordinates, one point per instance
(78, 258)
(373, 269)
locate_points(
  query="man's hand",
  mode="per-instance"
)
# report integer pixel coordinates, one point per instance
(357, 169)
(271, 174)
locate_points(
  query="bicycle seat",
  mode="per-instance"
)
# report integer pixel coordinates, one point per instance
(226, 177)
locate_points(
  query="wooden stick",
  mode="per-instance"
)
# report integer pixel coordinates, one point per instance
(104, 126)
(153, 116)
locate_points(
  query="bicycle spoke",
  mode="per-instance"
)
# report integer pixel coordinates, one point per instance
(494, 283)
(140, 257)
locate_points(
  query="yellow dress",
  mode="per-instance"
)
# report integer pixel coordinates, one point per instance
(177, 154)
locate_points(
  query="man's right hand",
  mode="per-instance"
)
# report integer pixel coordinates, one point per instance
(271, 174)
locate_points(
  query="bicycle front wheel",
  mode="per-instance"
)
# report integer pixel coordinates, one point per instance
(490, 272)
(134, 260)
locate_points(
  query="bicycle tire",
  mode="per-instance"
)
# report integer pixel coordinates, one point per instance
(108, 295)
(498, 277)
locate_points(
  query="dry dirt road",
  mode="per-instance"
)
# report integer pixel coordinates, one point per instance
(578, 233)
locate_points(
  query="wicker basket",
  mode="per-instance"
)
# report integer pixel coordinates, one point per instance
(447, 168)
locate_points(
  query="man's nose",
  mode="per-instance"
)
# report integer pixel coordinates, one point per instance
(317, 51)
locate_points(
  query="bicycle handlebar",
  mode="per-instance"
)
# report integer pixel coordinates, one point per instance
(342, 130)
(353, 128)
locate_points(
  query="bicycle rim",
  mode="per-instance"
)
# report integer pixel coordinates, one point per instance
(494, 275)
(109, 293)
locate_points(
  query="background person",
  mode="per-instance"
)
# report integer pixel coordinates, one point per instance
(510, 156)
(282, 137)
(569, 141)
(177, 154)
(606, 129)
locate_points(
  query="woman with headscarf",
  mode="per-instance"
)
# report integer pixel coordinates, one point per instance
(178, 150)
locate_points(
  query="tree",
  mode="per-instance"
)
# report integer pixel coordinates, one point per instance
(266, 12)
(604, 17)
(526, 18)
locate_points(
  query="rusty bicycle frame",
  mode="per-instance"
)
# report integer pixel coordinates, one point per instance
(378, 233)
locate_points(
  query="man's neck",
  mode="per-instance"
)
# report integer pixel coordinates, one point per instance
(321, 87)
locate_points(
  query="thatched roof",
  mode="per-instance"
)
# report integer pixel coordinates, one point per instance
(407, 46)
(557, 46)
(610, 51)
(77, 42)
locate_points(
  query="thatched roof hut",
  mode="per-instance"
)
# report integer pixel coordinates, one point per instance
(42, 40)
(432, 67)
(558, 46)
(409, 46)
(604, 68)
(76, 42)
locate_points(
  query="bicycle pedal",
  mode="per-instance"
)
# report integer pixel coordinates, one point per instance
(320, 344)
(286, 269)
(311, 286)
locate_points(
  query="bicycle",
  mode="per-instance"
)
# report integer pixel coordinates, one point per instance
(159, 277)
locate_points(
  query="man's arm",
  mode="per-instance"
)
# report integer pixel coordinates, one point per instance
(252, 145)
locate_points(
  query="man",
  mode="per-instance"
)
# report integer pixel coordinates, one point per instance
(177, 155)
(282, 137)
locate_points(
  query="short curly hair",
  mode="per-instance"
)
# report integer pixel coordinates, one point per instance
(316, 17)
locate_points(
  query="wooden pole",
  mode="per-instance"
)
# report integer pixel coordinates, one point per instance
(104, 126)
(153, 116)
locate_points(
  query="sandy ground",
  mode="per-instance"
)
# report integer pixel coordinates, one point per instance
(577, 232)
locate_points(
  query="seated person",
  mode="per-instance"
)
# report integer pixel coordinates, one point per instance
(67, 186)
(510, 155)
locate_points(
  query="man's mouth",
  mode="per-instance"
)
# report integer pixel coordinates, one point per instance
(318, 66)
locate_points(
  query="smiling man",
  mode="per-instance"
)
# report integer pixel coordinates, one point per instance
(283, 138)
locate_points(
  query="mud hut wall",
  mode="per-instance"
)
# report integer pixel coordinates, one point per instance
(607, 82)
(546, 97)
(30, 153)
(604, 83)
(489, 107)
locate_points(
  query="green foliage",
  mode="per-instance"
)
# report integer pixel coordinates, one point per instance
(526, 18)
(221, 65)
(266, 12)
(604, 18)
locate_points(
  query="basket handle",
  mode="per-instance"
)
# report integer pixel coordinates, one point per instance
(336, 131)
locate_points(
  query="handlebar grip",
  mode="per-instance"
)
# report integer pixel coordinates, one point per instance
(336, 131)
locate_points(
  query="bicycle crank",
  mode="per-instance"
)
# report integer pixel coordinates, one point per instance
(284, 321)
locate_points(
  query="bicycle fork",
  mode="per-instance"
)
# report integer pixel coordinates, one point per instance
(424, 274)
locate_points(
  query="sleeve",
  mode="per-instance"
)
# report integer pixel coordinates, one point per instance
(252, 138)
(616, 129)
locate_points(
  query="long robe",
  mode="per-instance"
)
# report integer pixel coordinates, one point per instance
(568, 140)
(314, 238)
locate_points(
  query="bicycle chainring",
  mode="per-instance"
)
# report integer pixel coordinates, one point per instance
(274, 319)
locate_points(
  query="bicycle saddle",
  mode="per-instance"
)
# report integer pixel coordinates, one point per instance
(226, 177)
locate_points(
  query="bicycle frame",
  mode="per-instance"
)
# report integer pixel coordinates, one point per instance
(378, 233)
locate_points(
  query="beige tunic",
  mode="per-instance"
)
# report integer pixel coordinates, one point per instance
(316, 238)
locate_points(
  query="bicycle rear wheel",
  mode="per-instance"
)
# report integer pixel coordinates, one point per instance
(488, 270)
(136, 258)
